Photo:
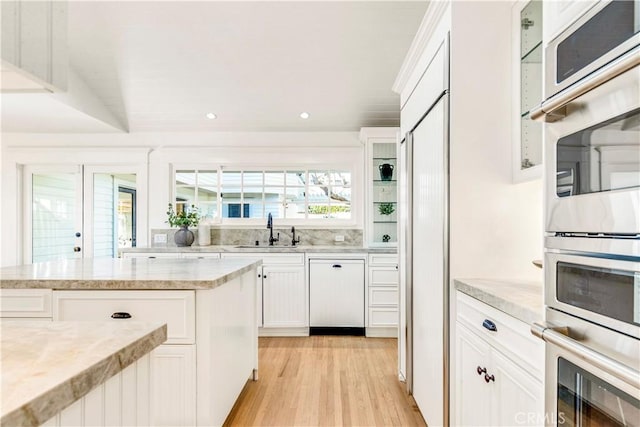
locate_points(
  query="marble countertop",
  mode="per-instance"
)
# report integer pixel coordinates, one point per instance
(46, 366)
(263, 249)
(520, 299)
(136, 273)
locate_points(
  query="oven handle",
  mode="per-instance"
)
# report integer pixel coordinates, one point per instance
(553, 109)
(552, 336)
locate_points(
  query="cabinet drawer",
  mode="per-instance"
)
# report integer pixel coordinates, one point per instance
(269, 258)
(25, 303)
(383, 277)
(383, 317)
(512, 336)
(383, 295)
(151, 255)
(383, 259)
(201, 255)
(175, 308)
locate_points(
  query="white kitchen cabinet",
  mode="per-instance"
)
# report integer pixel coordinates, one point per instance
(122, 400)
(382, 296)
(336, 293)
(496, 382)
(211, 347)
(28, 304)
(283, 296)
(382, 185)
(173, 385)
(282, 308)
(128, 255)
(173, 380)
(528, 50)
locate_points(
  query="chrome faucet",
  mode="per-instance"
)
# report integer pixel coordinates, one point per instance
(294, 241)
(270, 227)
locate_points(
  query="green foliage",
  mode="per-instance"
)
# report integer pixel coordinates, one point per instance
(189, 217)
(386, 208)
(324, 209)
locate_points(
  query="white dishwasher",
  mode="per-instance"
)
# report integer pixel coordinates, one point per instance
(336, 296)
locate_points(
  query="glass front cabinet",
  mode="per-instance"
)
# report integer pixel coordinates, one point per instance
(527, 89)
(382, 185)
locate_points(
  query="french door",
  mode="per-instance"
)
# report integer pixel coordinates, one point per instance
(76, 211)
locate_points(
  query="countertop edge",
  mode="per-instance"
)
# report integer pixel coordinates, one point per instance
(127, 284)
(43, 407)
(517, 310)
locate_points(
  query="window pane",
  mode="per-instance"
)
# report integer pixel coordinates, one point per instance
(294, 178)
(252, 179)
(254, 203)
(318, 210)
(340, 178)
(231, 178)
(207, 194)
(207, 179)
(294, 210)
(185, 178)
(208, 210)
(186, 195)
(340, 195)
(274, 178)
(319, 178)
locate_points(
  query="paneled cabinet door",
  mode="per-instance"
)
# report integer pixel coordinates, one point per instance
(518, 398)
(173, 385)
(472, 397)
(284, 297)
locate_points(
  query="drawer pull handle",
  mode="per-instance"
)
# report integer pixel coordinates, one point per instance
(336, 266)
(490, 325)
(481, 370)
(121, 315)
(488, 378)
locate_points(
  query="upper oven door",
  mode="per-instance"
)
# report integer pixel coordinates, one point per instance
(607, 30)
(602, 291)
(592, 157)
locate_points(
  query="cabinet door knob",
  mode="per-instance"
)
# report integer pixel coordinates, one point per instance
(488, 378)
(481, 370)
(121, 315)
(77, 249)
(488, 324)
(259, 276)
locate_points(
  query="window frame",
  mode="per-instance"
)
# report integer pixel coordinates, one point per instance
(284, 169)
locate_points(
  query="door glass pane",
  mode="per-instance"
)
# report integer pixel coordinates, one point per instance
(604, 157)
(114, 213)
(54, 216)
(586, 400)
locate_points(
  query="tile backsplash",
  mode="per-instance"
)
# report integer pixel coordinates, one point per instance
(248, 236)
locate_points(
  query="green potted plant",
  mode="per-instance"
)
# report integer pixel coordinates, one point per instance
(386, 208)
(185, 218)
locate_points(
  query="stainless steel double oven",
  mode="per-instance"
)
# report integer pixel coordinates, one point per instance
(592, 219)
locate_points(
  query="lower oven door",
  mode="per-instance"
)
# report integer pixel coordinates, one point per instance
(592, 376)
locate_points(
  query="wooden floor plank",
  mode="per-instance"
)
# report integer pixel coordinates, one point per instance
(326, 381)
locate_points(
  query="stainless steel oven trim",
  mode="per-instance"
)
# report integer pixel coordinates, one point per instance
(619, 370)
(551, 86)
(602, 340)
(550, 296)
(566, 214)
(552, 109)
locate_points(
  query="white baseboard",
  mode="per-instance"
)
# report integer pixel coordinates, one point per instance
(283, 332)
(380, 332)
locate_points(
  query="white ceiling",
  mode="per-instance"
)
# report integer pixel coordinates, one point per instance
(161, 66)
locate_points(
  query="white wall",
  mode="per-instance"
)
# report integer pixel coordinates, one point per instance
(159, 153)
(496, 226)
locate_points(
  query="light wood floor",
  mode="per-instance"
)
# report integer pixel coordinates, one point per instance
(326, 381)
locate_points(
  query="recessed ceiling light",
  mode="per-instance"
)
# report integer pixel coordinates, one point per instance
(304, 115)
(211, 116)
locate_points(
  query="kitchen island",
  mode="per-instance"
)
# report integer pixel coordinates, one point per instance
(48, 366)
(209, 306)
